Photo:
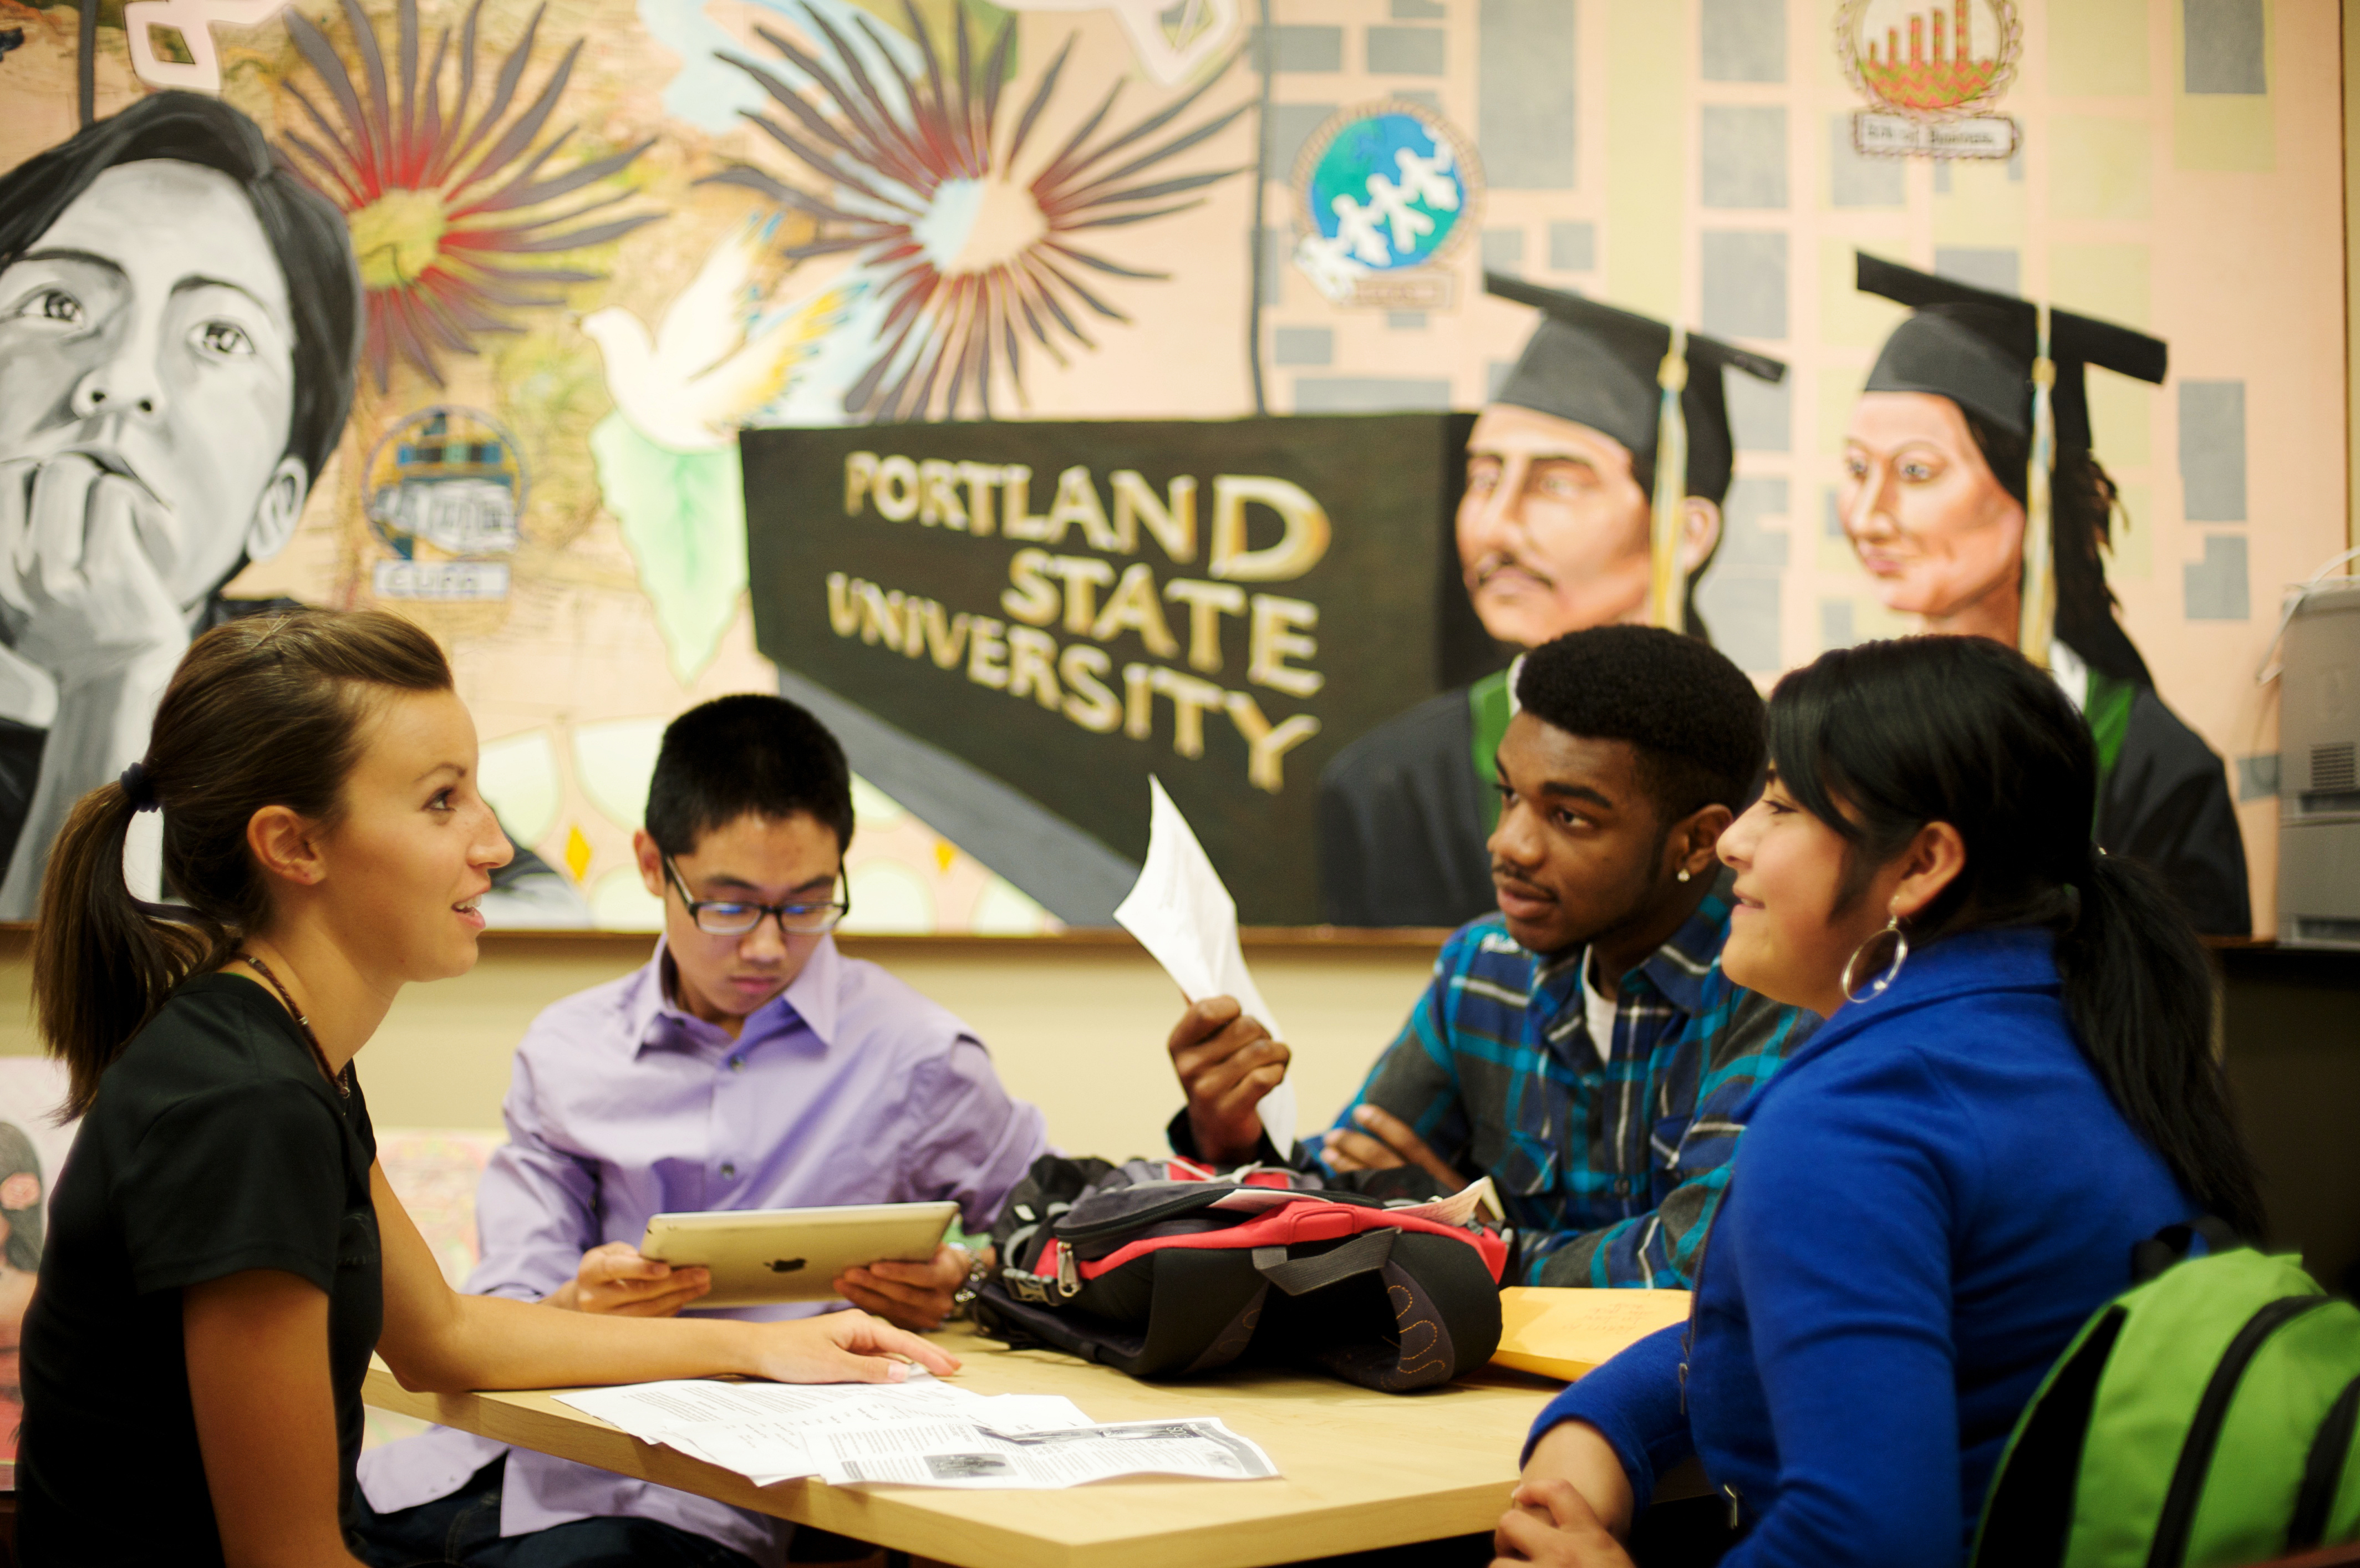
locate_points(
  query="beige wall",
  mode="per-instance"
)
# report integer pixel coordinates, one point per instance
(1076, 1025)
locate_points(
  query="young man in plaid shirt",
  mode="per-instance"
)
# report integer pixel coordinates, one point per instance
(1581, 1046)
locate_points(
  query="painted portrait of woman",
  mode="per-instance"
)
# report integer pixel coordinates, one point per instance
(1932, 493)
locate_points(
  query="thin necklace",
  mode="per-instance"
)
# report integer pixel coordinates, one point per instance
(343, 1081)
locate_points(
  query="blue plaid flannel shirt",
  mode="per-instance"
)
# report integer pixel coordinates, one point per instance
(1609, 1172)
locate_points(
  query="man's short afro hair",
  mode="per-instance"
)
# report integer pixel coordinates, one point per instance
(1693, 715)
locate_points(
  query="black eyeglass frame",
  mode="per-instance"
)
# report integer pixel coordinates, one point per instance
(836, 909)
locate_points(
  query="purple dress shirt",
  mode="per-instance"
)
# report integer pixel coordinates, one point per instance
(849, 1087)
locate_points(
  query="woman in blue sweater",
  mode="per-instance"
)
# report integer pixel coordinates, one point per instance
(2014, 1087)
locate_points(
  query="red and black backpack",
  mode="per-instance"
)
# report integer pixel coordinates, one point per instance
(1164, 1268)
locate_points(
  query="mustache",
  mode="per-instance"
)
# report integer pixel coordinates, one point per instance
(1492, 562)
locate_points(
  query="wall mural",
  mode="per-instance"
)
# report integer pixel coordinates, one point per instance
(645, 350)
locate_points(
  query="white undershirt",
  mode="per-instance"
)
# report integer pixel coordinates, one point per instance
(1599, 1013)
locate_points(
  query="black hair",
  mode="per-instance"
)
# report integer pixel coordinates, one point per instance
(1693, 716)
(2083, 498)
(306, 232)
(1877, 740)
(745, 755)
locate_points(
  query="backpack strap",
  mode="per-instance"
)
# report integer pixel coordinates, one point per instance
(2175, 1244)
(1364, 1253)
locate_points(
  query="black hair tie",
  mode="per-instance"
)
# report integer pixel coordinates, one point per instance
(138, 787)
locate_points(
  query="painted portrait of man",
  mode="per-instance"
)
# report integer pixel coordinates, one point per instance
(180, 320)
(1554, 534)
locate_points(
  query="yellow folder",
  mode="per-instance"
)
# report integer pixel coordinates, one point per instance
(1563, 1333)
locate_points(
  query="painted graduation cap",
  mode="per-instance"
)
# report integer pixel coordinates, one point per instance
(1627, 377)
(2019, 365)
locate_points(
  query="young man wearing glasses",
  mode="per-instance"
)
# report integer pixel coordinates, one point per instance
(747, 1066)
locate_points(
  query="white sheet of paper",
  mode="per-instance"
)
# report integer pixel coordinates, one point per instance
(1186, 918)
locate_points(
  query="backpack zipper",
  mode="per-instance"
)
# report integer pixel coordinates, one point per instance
(2170, 1548)
(2323, 1470)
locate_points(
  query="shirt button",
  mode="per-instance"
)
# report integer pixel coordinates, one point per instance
(728, 1172)
(736, 1064)
(1621, 1184)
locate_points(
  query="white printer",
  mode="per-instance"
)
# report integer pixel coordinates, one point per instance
(2318, 768)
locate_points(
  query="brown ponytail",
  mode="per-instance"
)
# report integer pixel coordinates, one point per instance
(263, 711)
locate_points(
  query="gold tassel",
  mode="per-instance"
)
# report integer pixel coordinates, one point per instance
(1667, 585)
(2037, 624)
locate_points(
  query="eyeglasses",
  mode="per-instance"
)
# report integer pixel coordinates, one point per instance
(735, 917)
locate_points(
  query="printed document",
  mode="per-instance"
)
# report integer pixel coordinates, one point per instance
(920, 1433)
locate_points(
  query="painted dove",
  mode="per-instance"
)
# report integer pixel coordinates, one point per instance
(714, 364)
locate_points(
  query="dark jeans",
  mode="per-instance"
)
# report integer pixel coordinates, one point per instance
(463, 1530)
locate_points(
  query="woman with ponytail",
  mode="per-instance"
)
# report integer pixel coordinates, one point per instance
(223, 1253)
(2014, 1087)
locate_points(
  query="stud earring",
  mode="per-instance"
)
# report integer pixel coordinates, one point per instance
(1684, 873)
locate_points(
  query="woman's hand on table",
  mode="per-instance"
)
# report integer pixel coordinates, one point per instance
(917, 1296)
(1577, 1453)
(1553, 1523)
(841, 1347)
(1573, 1506)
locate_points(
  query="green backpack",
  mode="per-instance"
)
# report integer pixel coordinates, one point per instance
(2202, 1418)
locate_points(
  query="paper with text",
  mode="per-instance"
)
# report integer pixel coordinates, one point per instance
(921, 1433)
(1186, 918)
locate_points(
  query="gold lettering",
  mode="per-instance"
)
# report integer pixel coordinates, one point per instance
(1132, 607)
(914, 611)
(1032, 598)
(859, 473)
(985, 651)
(945, 642)
(1174, 525)
(1274, 640)
(880, 617)
(1088, 703)
(844, 603)
(897, 490)
(1138, 701)
(1267, 743)
(1084, 575)
(1077, 502)
(1016, 519)
(981, 480)
(1207, 603)
(1297, 552)
(938, 499)
(1032, 666)
(1190, 698)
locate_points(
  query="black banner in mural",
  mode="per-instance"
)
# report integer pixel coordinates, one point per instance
(1069, 607)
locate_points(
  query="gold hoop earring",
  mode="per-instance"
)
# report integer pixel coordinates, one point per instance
(1892, 971)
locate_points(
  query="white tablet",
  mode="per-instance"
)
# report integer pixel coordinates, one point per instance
(758, 1255)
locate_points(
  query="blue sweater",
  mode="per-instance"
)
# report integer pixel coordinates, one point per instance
(1929, 1200)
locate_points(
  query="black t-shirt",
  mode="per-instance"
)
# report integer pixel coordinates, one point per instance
(214, 1147)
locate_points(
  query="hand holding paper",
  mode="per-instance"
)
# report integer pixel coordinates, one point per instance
(1186, 918)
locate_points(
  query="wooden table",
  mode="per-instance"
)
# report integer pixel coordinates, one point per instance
(1360, 1469)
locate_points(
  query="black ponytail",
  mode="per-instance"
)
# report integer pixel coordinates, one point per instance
(1878, 740)
(2139, 987)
